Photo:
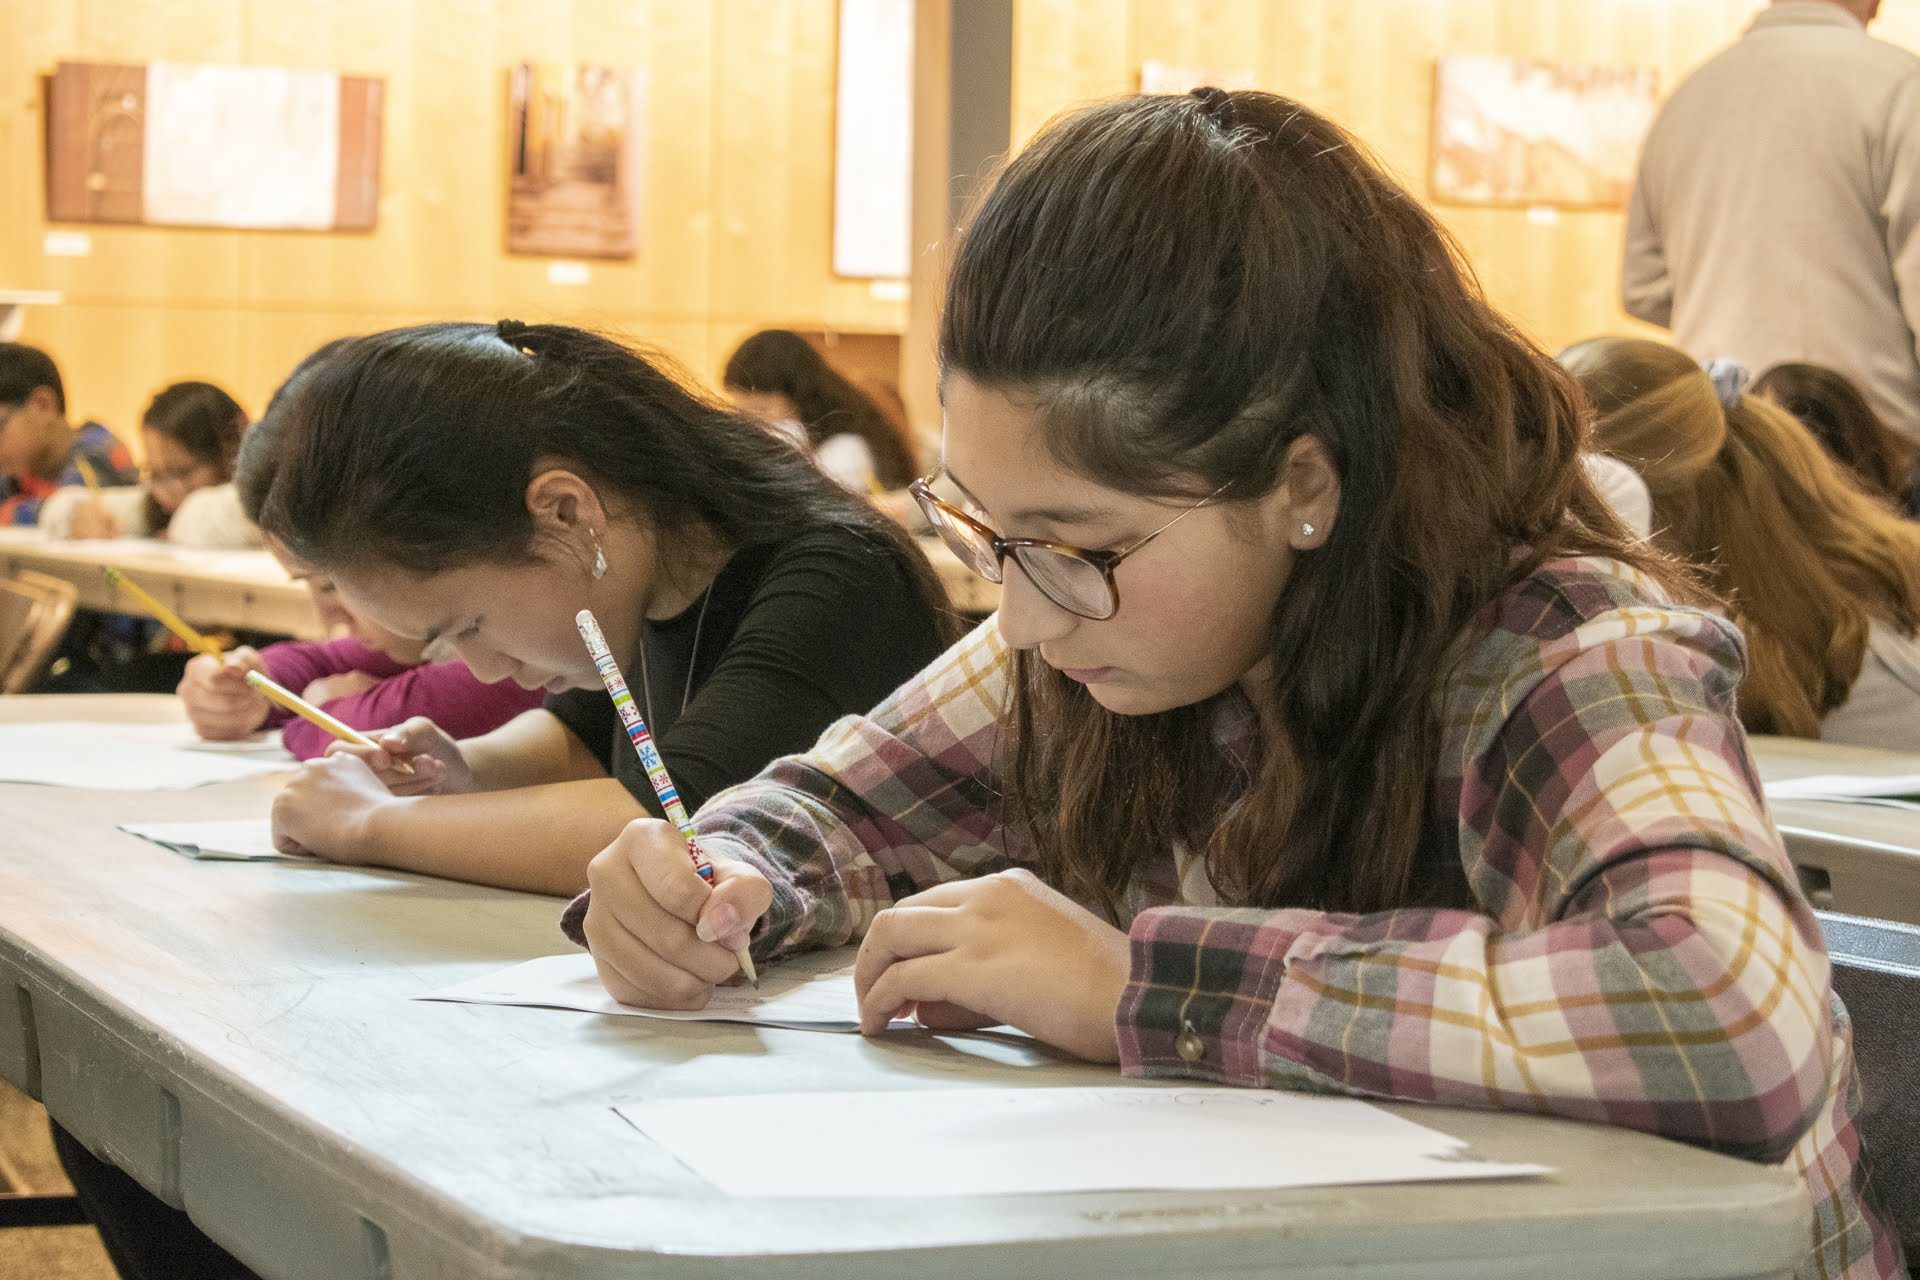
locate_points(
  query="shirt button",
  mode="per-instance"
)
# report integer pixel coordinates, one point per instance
(1189, 1046)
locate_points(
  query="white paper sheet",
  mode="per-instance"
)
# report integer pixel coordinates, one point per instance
(107, 757)
(245, 840)
(812, 992)
(1844, 786)
(181, 737)
(229, 146)
(973, 1142)
(873, 140)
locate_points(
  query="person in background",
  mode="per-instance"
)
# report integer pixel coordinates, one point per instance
(1776, 213)
(1829, 405)
(777, 377)
(39, 449)
(192, 433)
(368, 678)
(1823, 579)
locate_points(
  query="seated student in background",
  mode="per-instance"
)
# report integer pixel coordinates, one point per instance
(39, 449)
(1823, 579)
(369, 679)
(192, 432)
(476, 486)
(1332, 734)
(1829, 405)
(777, 377)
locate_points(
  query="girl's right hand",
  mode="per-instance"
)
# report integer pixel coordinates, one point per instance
(219, 702)
(92, 519)
(439, 768)
(661, 936)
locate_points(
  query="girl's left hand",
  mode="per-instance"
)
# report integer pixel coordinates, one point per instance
(1001, 949)
(327, 810)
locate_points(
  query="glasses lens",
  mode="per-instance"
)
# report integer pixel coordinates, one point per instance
(1070, 582)
(974, 548)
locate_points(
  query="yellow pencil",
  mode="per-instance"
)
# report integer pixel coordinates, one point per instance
(87, 473)
(167, 617)
(307, 711)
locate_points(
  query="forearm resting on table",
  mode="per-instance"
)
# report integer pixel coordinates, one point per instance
(535, 839)
(530, 750)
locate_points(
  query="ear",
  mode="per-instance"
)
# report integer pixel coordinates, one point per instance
(1312, 489)
(565, 505)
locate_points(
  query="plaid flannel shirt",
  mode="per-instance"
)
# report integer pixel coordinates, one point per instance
(1638, 953)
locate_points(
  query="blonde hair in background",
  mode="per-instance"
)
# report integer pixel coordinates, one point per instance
(1803, 556)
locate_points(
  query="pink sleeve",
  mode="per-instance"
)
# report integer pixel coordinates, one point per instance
(298, 663)
(444, 692)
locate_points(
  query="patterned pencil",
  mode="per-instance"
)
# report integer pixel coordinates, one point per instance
(643, 745)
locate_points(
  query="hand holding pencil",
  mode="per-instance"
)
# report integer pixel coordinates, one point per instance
(707, 930)
(284, 697)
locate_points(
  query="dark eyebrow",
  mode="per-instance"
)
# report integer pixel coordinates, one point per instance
(1046, 515)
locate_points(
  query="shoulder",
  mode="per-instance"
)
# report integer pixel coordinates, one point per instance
(839, 561)
(212, 517)
(99, 442)
(1608, 636)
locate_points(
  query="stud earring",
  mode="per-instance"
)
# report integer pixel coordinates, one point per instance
(599, 560)
(1306, 529)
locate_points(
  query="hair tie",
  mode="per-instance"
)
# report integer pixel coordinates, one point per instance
(514, 334)
(1216, 103)
(1729, 378)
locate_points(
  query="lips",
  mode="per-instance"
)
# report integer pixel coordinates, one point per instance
(1087, 675)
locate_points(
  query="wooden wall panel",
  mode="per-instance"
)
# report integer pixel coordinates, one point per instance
(1369, 65)
(737, 195)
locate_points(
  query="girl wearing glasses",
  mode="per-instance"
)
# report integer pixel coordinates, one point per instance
(1333, 734)
(192, 433)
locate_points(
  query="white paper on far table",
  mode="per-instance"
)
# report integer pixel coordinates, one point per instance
(244, 840)
(1844, 786)
(105, 756)
(964, 1142)
(810, 992)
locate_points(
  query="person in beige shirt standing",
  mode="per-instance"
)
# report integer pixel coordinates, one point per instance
(1776, 215)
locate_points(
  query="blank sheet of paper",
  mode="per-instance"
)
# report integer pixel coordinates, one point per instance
(973, 1142)
(243, 840)
(812, 992)
(181, 737)
(109, 757)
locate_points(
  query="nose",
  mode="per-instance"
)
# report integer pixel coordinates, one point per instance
(1027, 619)
(488, 666)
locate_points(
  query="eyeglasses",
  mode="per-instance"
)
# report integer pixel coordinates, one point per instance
(176, 477)
(1078, 580)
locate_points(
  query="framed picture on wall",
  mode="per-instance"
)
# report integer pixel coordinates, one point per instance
(577, 151)
(1507, 131)
(873, 139)
(189, 144)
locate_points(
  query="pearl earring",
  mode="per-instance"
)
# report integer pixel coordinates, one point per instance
(599, 560)
(1306, 529)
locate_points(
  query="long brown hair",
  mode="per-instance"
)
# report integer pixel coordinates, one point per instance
(781, 362)
(1803, 556)
(1829, 405)
(1183, 286)
(413, 449)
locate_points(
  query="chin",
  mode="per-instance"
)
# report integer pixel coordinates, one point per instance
(1128, 700)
